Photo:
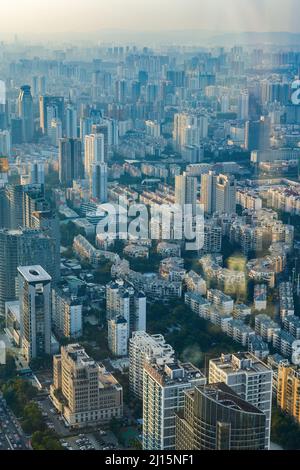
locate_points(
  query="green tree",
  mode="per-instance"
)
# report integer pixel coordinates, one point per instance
(45, 440)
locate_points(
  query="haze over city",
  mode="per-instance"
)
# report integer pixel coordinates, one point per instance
(48, 17)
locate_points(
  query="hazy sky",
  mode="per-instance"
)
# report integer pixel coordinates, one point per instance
(39, 16)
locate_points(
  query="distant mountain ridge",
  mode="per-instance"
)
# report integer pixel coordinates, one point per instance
(176, 37)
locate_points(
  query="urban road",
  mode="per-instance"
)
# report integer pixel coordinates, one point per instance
(11, 434)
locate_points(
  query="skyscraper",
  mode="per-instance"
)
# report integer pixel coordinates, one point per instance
(121, 90)
(243, 106)
(50, 107)
(208, 192)
(214, 417)
(23, 248)
(99, 182)
(5, 143)
(37, 173)
(257, 134)
(14, 197)
(71, 122)
(35, 311)
(70, 161)
(47, 222)
(25, 112)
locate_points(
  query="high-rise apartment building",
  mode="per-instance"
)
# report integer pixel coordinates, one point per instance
(186, 191)
(225, 194)
(218, 193)
(66, 314)
(33, 200)
(145, 348)
(118, 336)
(243, 105)
(288, 390)
(128, 303)
(189, 129)
(93, 152)
(35, 311)
(163, 396)
(250, 378)
(84, 391)
(214, 417)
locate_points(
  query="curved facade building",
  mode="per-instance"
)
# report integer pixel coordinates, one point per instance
(216, 418)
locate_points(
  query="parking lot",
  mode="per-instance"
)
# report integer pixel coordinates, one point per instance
(98, 440)
(11, 435)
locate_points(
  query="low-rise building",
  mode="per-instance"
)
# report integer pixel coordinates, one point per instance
(266, 327)
(286, 300)
(283, 342)
(167, 250)
(195, 283)
(198, 304)
(221, 301)
(292, 325)
(136, 251)
(260, 297)
(258, 347)
(239, 332)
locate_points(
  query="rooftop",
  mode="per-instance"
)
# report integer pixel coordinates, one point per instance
(33, 274)
(242, 361)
